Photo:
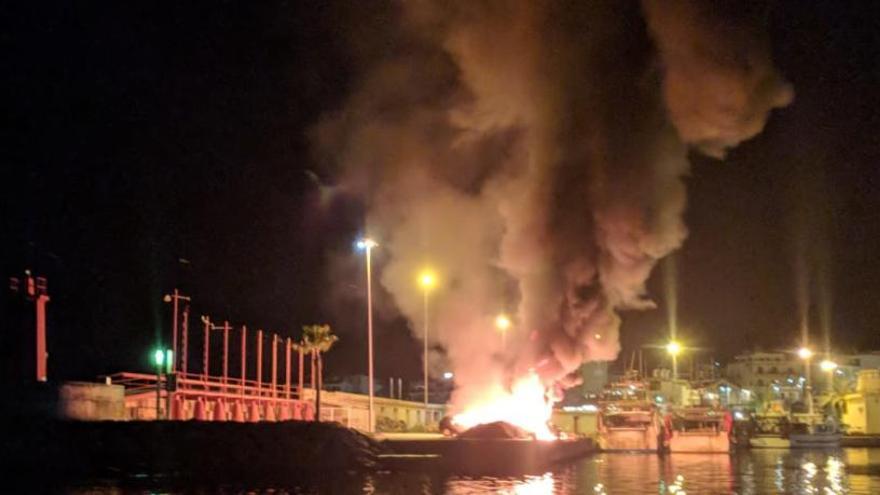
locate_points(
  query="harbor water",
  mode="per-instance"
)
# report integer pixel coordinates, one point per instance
(849, 470)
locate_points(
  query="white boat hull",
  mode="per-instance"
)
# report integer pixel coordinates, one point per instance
(815, 440)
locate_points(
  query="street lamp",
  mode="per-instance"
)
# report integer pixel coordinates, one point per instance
(158, 360)
(674, 349)
(174, 298)
(502, 323)
(806, 353)
(427, 281)
(828, 365)
(366, 244)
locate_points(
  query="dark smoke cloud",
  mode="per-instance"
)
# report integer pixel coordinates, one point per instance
(532, 153)
(719, 80)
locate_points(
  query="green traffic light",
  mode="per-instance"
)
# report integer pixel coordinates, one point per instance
(159, 357)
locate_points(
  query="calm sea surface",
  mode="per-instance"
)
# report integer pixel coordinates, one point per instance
(769, 471)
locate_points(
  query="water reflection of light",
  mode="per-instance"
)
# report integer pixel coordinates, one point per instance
(779, 475)
(835, 470)
(535, 485)
(677, 486)
(810, 471)
(599, 489)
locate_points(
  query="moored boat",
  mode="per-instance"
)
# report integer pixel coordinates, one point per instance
(805, 431)
(699, 429)
(630, 426)
(770, 431)
(815, 432)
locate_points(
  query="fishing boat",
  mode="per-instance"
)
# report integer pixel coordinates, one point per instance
(627, 419)
(815, 432)
(630, 426)
(803, 431)
(770, 431)
(698, 429)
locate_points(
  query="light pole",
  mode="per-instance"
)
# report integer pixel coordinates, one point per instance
(367, 245)
(158, 360)
(805, 353)
(174, 299)
(427, 281)
(674, 349)
(829, 366)
(502, 323)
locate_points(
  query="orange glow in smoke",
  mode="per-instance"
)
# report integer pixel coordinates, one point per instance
(526, 405)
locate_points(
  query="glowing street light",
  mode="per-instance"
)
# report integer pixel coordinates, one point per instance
(673, 348)
(366, 244)
(159, 358)
(427, 279)
(806, 353)
(503, 323)
(828, 365)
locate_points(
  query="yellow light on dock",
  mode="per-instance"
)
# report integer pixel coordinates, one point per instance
(673, 348)
(828, 365)
(805, 353)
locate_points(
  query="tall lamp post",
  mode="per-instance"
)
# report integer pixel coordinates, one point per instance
(829, 366)
(502, 323)
(174, 299)
(805, 353)
(674, 349)
(427, 281)
(366, 244)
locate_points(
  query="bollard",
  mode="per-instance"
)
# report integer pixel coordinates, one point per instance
(238, 412)
(219, 410)
(270, 411)
(284, 412)
(199, 413)
(254, 412)
(296, 409)
(177, 409)
(308, 412)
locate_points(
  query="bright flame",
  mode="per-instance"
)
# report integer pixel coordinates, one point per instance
(526, 405)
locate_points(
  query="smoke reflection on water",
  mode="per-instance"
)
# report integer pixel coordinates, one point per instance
(850, 471)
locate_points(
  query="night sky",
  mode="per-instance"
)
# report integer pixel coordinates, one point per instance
(139, 135)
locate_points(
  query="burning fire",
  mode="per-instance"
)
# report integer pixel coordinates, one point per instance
(526, 405)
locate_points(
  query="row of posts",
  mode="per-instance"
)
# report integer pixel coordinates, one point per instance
(201, 409)
(179, 360)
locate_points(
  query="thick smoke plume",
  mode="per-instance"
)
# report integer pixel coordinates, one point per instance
(532, 154)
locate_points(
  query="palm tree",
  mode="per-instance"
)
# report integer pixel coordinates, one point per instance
(318, 339)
